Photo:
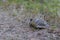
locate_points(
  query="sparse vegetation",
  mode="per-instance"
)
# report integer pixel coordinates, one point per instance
(15, 18)
(46, 7)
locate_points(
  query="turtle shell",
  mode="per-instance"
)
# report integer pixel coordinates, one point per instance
(38, 23)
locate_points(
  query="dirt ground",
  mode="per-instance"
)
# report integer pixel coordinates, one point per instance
(15, 26)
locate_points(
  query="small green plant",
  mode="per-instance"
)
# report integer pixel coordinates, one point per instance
(53, 27)
(14, 14)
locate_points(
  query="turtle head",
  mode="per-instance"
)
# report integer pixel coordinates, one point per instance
(31, 19)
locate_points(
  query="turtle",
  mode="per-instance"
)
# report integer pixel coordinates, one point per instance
(38, 23)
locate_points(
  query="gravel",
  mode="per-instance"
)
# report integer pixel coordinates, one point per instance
(17, 28)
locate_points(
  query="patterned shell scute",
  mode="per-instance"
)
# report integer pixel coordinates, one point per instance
(40, 23)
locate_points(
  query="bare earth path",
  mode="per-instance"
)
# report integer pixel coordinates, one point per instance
(16, 28)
